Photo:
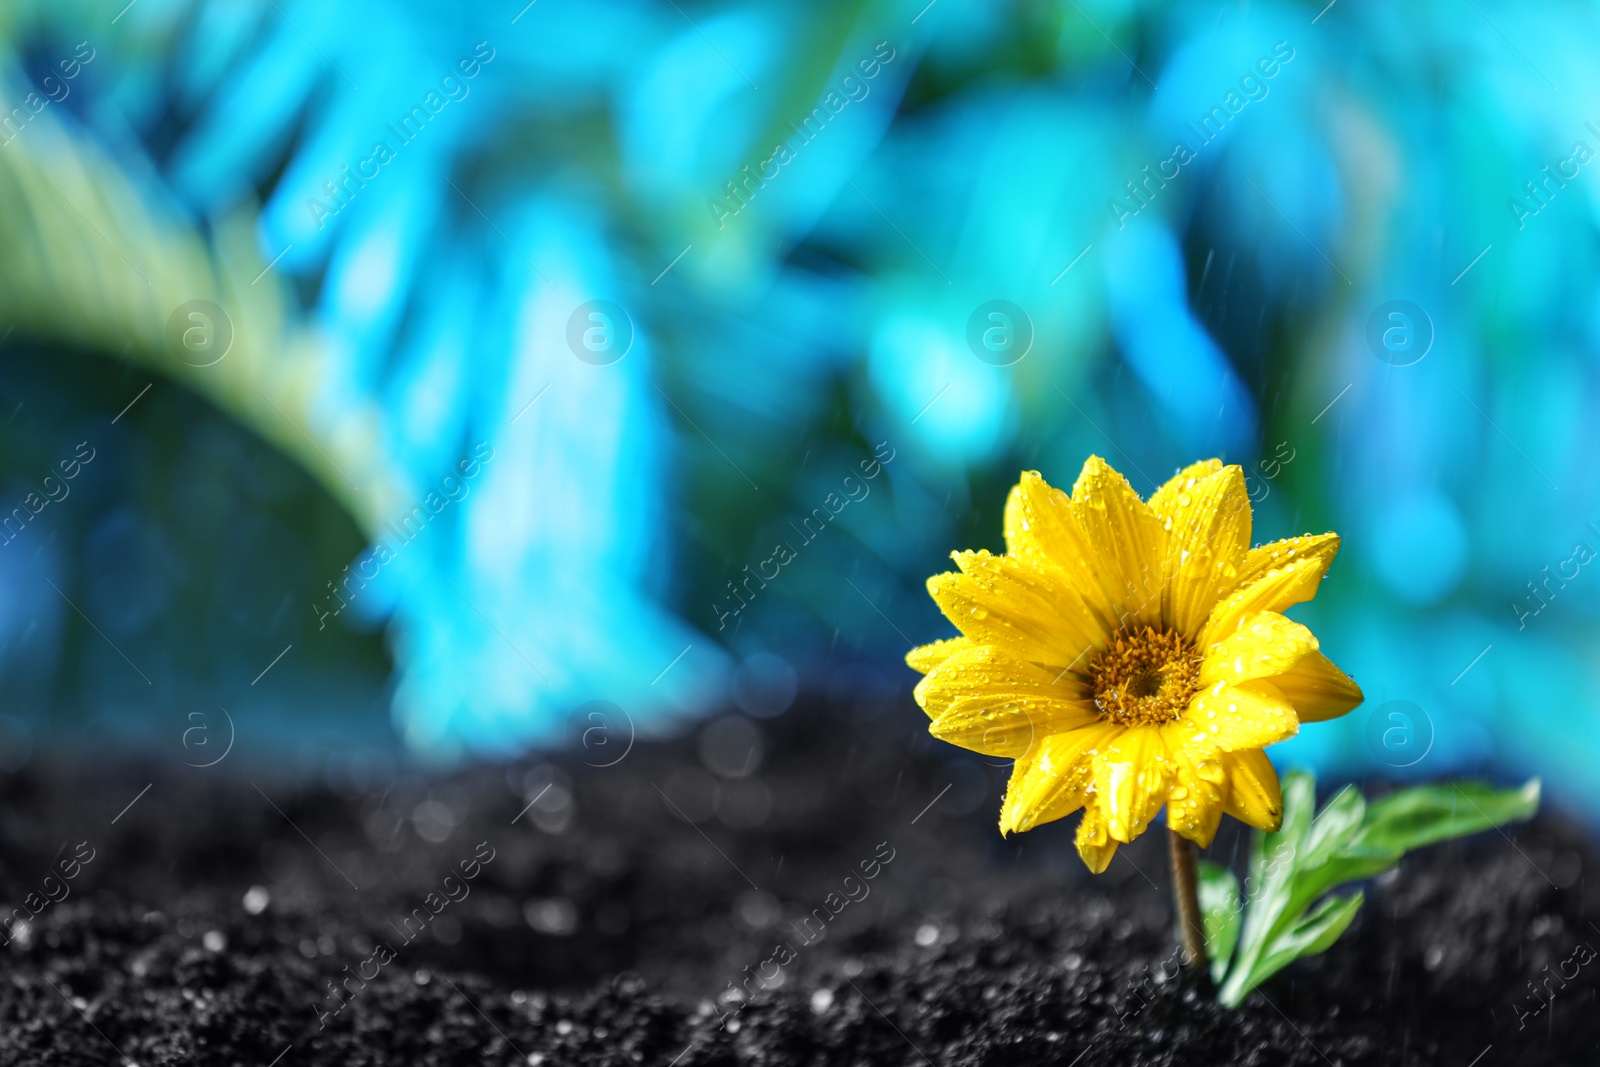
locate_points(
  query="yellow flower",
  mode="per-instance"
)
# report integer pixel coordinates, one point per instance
(1130, 654)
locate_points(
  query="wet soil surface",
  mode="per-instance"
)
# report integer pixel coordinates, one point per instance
(826, 887)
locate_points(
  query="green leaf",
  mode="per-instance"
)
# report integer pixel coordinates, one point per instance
(1299, 801)
(1422, 815)
(1310, 935)
(1272, 854)
(1269, 887)
(1333, 827)
(1288, 913)
(1349, 864)
(1222, 912)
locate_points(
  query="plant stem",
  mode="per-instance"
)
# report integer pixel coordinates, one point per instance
(1186, 888)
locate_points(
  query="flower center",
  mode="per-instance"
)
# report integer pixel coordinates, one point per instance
(1146, 677)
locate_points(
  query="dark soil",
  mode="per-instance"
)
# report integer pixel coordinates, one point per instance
(609, 928)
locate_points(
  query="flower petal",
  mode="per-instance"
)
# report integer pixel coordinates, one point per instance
(1042, 531)
(1253, 794)
(1051, 781)
(1274, 554)
(1276, 576)
(984, 700)
(1318, 690)
(925, 658)
(1094, 842)
(1207, 523)
(1003, 602)
(1126, 540)
(1199, 783)
(1131, 776)
(1163, 499)
(1250, 715)
(1265, 644)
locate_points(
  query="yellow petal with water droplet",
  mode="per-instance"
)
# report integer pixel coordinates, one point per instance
(1126, 539)
(989, 702)
(1274, 554)
(1253, 794)
(1207, 520)
(1194, 804)
(1275, 577)
(1318, 690)
(925, 658)
(1041, 531)
(1131, 776)
(999, 601)
(1252, 715)
(1163, 499)
(1095, 844)
(1053, 779)
(1263, 645)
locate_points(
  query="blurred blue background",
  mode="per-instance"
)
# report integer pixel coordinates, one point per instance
(485, 348)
